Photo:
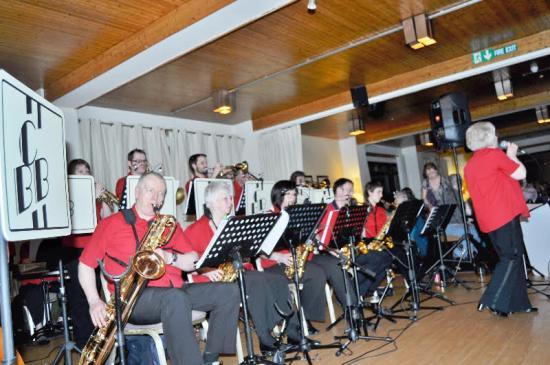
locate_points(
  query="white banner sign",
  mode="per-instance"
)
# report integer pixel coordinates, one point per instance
(82, 203)
(33, 170)
(258, 196)
(169, 206)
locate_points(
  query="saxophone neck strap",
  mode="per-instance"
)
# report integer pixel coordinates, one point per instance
(130, 218)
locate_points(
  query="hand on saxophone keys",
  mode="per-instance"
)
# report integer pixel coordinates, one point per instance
(284, 258)
(213, 274)
(98, 313)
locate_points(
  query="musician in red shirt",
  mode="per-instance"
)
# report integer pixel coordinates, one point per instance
(343, 191)
(493, 182)
(264, 289)
(166, 299)
(376, 261)
(137, 165)
(283, 195)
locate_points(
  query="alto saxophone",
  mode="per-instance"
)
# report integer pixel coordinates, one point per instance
(381, 240)
(229, 274)
(302, 253)
(146, 265)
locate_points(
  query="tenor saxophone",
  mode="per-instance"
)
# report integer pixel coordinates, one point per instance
(381, 239)
(145, 265)
(302, 253)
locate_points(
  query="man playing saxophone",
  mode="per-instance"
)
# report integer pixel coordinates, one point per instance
(166, 299)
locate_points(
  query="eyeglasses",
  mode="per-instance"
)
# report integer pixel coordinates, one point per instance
(139, 161)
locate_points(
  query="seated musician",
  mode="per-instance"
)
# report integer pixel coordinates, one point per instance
(298, 178)
(343, 191)
(283, 195)
(137, 165)
(264, 289)
(376, 261)
(72, 248)
(166, 299)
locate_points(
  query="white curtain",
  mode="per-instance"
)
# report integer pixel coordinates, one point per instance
(281, 152)
(106, 145)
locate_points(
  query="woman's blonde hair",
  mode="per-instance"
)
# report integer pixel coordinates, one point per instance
(481, 135)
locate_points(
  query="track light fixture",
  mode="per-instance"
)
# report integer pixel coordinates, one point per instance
(418, 31)
(311, 6)
(542, 114)
(356, 124)
(224, 102)
(426, 139)
(503, 84)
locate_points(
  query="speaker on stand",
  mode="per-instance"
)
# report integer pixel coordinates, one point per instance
(450, 118)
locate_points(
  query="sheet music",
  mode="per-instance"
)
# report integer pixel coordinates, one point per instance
(275, 234)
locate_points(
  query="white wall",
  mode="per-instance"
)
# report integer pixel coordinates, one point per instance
(351, 165)
(322, 157)
(72, 139)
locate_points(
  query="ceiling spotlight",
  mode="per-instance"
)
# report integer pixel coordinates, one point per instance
(503, 84)
(426, 139)
(224, 102)
(311, 6)
(542, 114)
(418, 31)
(356, 124)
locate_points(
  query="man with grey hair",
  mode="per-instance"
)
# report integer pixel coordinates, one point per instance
(492, 177)
(167, 299)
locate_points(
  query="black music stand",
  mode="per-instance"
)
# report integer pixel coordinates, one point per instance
(303, 219)
(347, 228)
(68, 345)
(237, 238)
(435, 224)
(400, 229)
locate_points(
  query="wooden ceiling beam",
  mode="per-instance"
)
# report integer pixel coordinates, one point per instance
(463, 63)
(378, 131)
(186, 14)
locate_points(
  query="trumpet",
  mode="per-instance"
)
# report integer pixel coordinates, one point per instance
(109, 198)
(229, 172)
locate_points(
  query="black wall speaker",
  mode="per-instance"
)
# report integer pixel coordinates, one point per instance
(359, 96)
(450, 117)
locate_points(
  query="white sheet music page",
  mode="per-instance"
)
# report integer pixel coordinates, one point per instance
(275, 234)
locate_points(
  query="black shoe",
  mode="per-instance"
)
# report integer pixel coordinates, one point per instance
(498, 313)
(312, 330)
(311, 342)
(480, 307)
(529, 310)
(267, 349)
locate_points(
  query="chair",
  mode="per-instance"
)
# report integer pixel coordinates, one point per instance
(152, 330)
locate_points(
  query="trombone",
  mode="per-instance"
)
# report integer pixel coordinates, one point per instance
(229, 172)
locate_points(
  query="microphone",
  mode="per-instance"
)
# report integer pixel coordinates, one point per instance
(504, 145)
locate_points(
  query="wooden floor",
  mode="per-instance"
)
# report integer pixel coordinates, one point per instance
(459, 334)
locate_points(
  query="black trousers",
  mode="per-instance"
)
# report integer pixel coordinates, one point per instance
(264, 289)
(333, 272)
(77, 303)
(507, 291)
(172, 307)
(376, 261)
(312, 294)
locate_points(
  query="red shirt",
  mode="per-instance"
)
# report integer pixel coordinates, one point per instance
(497, 198)
(119, 187)
(199, 235)
(113, 240)
(375, 221)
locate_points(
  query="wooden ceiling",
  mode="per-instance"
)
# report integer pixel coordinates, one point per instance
(286, 65)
